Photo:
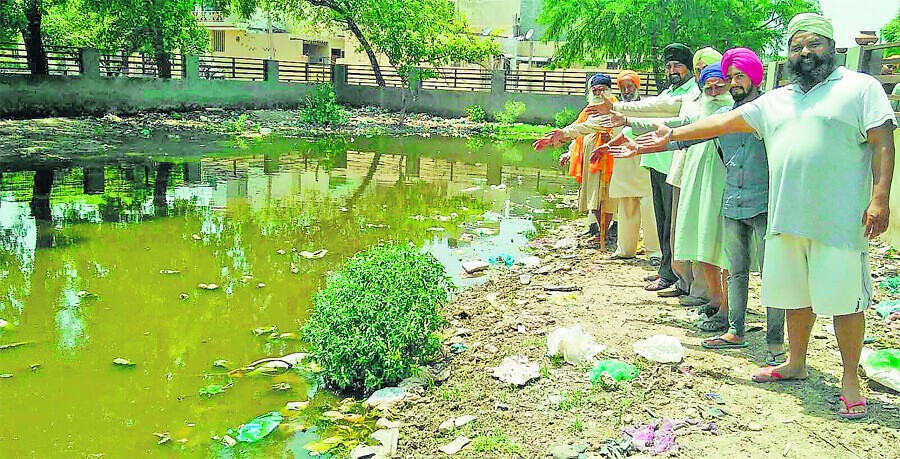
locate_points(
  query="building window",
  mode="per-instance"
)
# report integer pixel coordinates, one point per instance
(218, 37)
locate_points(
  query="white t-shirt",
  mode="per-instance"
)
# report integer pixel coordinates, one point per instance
(820, 166)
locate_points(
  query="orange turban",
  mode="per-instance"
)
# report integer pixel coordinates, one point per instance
(629, 75)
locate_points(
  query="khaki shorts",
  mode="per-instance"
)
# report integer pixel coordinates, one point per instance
(801, 272)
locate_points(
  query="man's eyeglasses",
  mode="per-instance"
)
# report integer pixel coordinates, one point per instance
(712, 88)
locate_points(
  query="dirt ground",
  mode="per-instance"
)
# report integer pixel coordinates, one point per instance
(111, 135)
(505, 317)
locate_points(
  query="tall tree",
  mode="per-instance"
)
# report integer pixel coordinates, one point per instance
(409, 33)
(635, 31)
(25, 17)
(158, 27)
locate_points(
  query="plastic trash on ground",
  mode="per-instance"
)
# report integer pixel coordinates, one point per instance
(516, 370)
(530, 261)
(565, 243)
(886, 308)
(618, 370)
(574, 345)
(660, 348)
(382, 399)
(257, 428)
(882, 366)
(503, 258)
(891, 284)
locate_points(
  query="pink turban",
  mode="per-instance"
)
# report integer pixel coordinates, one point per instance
(746, 61)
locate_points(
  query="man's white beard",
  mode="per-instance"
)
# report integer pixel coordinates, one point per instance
(592, 99)
(709, 105)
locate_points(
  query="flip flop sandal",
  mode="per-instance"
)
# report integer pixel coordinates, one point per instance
(770, 374)
(651, 278)
(619, 256)
(775, 359)
(673, 293)
(659, 284)
(725, 344)
(714, 325)
(850, 406)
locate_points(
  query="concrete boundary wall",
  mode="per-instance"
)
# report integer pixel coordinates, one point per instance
(94, 94)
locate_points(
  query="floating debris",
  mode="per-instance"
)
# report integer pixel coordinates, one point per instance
(123, 362)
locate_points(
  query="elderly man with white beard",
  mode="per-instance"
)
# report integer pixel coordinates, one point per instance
(699, 230)
(594, 176)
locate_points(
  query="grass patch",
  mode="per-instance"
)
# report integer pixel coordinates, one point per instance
(496, 443)
(573, 399)
(455, 393)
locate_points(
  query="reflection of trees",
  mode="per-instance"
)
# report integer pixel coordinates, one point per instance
(40, 195)
(367, 179)
(160, 185)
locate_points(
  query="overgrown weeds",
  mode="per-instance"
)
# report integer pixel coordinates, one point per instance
(376, 319)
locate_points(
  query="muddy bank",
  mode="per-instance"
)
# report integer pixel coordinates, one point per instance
(206, 131)
(562, 411)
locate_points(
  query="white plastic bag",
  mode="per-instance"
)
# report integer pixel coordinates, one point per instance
(574, 344)
(887, 378)
(660, 348)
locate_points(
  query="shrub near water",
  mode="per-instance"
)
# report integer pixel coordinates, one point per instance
(374, 321)
(511, 112)
(321, 108)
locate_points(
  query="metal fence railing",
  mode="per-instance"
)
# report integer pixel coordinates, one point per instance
(66, 61)
(459, 79)
(302, 72)
(61, 60)
(13, 60)
(546, 82)
(363, 75)
(138, 65)
(565, 82)
(232, 68)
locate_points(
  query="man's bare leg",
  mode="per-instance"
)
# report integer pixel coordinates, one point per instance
(799, 324)
(717, 296)
(850, 331)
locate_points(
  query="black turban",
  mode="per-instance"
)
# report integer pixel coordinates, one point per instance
(679, 53)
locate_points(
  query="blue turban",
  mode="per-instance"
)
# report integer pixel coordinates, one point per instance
(710, 71)
(601, 78)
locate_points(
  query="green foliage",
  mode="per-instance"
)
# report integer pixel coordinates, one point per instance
(239, 124)
(321, 108)
(891, 33)
(635, 31)
(476, 114)
(565, 117)
(511, 112)
(375, 320)
(158, 28)
(410, 33)
(497, 443)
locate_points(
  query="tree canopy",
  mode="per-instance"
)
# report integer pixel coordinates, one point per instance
(891, 33)
(409, 33)
(636, 31)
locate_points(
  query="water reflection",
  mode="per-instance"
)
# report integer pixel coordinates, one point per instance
(84, 248)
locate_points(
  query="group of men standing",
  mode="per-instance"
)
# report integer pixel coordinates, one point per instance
(798, 177)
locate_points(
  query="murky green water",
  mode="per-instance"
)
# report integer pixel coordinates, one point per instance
(84, 248)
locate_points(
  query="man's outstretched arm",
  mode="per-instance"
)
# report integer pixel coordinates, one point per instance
(725, 123)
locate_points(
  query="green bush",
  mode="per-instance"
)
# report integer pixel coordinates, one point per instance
(565, 117)
(375, 320)
(511, 112)
(321, 108)
(476, 114)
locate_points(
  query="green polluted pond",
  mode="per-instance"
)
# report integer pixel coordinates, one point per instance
(133, 288)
